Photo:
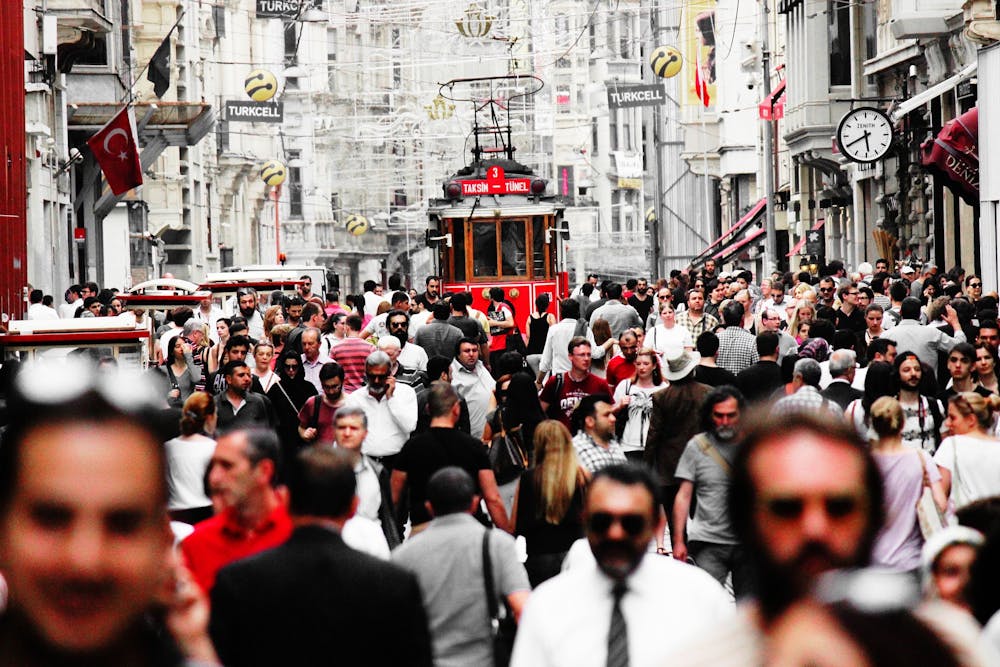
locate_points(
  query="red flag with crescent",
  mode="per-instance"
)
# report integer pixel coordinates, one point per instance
(117, 151)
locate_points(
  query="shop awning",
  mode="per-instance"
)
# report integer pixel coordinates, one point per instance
(936, 90)
(773, 107)
(748, 218)
(805, 237)
(724, 254)
(954, 155)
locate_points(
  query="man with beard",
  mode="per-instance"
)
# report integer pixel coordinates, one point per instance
(318, 414)
(237, 406)
(247, 297)
(627, 607)
(694, 318)
(432, 291)
(705, 472)
(622, 366)
(922, 415)
(412, 357)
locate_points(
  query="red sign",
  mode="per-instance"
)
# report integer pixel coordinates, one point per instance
(496, 184)
(79, 233)
(954, 155)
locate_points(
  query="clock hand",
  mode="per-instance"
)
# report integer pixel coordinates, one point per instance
(863, 136)
(868, 146)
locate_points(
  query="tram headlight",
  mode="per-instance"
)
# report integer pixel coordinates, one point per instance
(538, 186)
(453, 190)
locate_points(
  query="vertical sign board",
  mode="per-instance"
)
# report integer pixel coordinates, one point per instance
(566, 183)
(13, 205)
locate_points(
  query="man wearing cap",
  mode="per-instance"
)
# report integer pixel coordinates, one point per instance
(673, 420)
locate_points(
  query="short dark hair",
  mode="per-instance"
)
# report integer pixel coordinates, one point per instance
(441, 311)
(587, 407)
(632, 474)
(497, 294)
(874, 308)
(569, 309)
(767, 343)
(716, 396)
(35, 296)
(437, 365)
(965, 349)
(231, 366)
(368, 285)
(707, 344)
(428, 280)
(450, 490)
(237, 341)
(879, 346)
(331, 370)
(353, 322)
(732, 314)
(898, 290)
(910, 308)
(321, 482)
(311, 309)
(577, 341)
(614, 291)
(399, 297)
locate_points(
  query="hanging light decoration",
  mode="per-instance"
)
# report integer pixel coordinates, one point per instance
(476, 22)
(439, 109)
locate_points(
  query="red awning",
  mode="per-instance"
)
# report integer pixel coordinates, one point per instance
(739, 245)
(729, 234)
(805, 237)
(954, 155)
(773, 107)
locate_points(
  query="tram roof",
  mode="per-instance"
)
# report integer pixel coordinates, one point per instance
(492, 207)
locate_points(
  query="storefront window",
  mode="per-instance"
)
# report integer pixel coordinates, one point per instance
(839, 33)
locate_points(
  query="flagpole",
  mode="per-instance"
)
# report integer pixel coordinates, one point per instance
(131, 89)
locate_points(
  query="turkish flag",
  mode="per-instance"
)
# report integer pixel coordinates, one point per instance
(700, 87)
(117, 151)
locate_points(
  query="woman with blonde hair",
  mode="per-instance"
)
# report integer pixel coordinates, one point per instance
(969, 459)
(188, 456)
(804, 312)
(548, 505)
(905, 472)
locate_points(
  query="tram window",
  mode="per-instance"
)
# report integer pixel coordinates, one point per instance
(484, 249)
(538, 247)
(458, 251)
(513, 249)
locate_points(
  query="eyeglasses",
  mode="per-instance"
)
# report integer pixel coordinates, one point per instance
(791, 508)
(852, 293)
(633, 524)
(975, 284)
(662, 296)
(825, 289)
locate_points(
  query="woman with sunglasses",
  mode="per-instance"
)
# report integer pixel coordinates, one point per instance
(986, 368)
(905, 472)
(288, 395)
(969, 459)
(548, 505)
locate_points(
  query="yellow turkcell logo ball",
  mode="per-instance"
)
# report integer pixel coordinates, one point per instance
(666, 61)
(273, 173)
(260, 85)
(356, 224)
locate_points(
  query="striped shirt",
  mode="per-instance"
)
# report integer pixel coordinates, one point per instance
(351, 355)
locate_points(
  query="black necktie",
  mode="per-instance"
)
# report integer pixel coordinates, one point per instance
(618, 632)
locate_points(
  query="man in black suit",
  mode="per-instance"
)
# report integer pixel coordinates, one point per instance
(760, 380)
(842, 371)
(314, 600)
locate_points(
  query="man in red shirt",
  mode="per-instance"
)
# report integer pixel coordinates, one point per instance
(242, 478)
(562, 392)
(622, 366)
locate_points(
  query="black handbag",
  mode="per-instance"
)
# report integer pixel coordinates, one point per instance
(515, 342)
(507, 454)
(503, 627)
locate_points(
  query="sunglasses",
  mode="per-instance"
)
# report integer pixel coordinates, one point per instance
(791, 508)
(825, 289)
(975, 284)
(291, 367)
(633, 524)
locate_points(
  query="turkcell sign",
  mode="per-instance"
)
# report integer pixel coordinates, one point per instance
(277, 9)
(255, 112)
(510, 186)
(621, 97)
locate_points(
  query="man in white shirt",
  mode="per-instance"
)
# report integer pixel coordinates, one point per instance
(37, 310)
(474, 383)
(628, 606)
(209, 313)
(391, 408)
(67, 311)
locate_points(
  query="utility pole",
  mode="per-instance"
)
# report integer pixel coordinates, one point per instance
(771, 247)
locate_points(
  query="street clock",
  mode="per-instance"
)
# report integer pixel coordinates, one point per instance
(864, 134)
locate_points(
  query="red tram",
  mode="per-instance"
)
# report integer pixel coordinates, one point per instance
(495, 226)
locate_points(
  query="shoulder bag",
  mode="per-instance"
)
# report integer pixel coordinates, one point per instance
(507, 454)
(930, 518)
(503, 627)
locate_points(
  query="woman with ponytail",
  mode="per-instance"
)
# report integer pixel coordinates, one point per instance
(969, 459)
(188, 456)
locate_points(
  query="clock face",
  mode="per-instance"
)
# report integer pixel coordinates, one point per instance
(864, 135)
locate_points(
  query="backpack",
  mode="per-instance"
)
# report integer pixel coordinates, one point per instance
(554, 412)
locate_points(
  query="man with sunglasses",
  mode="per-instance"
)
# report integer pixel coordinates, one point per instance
(630, 607)
(391, 408)
(827, 292)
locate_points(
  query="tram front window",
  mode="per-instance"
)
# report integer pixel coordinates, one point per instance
(484, 249)
(513, 250)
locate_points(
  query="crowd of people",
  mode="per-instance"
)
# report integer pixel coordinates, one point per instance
(705, 469)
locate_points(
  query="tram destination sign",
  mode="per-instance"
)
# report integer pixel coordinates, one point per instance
(621, 97)
(510, 186)
(254, 112)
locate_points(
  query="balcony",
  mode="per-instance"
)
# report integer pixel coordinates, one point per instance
(91, 15)
(920, 19)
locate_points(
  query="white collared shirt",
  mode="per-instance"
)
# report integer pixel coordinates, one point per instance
(476, 387)
(390, 422)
